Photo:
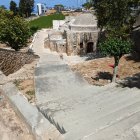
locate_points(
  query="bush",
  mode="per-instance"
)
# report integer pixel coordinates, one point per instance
(33, 29)
(14, 30)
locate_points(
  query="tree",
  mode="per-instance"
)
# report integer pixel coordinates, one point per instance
(115, 47)
(3, 7)
(117, 18)
(30, 7)
(116, 14)
(59, 7)
(13, 7)
(14, 30)
(87, 5)
(26, 7)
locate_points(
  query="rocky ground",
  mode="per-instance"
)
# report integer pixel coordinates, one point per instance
(11, 127)
(98, 71)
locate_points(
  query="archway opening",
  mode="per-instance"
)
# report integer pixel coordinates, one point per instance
(81, 45)
(90, 46)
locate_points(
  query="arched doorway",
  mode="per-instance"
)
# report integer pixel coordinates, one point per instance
(81, 45)
(90, 46)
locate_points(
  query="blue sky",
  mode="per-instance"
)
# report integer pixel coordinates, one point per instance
(50, 3)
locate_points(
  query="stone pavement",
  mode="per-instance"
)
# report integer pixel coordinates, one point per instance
(81, 111)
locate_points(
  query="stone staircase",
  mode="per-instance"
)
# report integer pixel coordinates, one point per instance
(81, 111)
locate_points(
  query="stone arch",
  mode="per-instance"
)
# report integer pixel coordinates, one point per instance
(90, 47)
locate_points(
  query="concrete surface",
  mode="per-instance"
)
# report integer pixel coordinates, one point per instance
(36, 122)
(81, 111)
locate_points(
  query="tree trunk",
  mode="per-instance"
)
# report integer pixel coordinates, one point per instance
(115, 68)
(99, 36)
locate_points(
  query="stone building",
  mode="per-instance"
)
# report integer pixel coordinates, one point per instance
(76, 36)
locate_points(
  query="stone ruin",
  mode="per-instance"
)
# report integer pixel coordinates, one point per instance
(74, 35)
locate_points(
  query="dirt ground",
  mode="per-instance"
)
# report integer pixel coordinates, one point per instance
(2, 45)
(67, 13)
(24, 49)
(11, 127)
(24, 81)
(26, 87)
(98, 71)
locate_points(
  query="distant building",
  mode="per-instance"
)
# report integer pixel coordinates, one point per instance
(41, 8)
(59, 7)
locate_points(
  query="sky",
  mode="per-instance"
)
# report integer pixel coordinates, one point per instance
(50, 3)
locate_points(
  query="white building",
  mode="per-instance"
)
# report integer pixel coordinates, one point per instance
(41, 8)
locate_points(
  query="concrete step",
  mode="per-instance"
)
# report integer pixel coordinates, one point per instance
(115, 130)
(85, 94)
(127, 135)
(92, 126)
(50, 63)
(66, 87)
(100, 108)
(48, 58)
(62, 81)
(45, 95)
(71, 114)
(51, 69)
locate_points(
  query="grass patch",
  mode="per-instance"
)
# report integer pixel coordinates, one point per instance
(30, 92)
(46, 21)
(17, 83)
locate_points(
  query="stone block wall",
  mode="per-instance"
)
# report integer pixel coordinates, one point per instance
(61, 47)
(11, 61)
(56, 45)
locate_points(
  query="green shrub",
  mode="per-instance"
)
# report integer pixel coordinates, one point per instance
(14, 30)
(33, 29)
(115, 47)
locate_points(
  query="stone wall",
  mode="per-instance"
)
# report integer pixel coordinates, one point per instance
(83, 28)
(11, 61)
(56, 45)
(75, 39)
(74, 44)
